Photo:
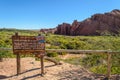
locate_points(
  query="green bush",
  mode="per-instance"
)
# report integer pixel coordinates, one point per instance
(101, 69)
(53, 54)
(115, 70)
(6, 54)
(93, 60)
(62, 53)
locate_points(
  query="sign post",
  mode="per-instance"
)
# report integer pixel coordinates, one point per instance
(18, 63)
(27, 45)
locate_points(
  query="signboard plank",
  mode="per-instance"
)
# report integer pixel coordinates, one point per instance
(28, 44)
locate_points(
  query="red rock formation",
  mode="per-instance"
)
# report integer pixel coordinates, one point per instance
(98, 24)
(74, 27)
(63, 29)
(52, 30)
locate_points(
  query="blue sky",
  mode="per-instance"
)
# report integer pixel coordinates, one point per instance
(37, 14)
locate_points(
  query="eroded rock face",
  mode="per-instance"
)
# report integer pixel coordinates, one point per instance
(98, 24)
(52, 30)
(63, 29)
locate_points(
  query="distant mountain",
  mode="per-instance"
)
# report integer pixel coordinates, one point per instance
(98, 24)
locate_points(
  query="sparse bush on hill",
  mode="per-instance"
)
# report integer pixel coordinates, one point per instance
(84, 42)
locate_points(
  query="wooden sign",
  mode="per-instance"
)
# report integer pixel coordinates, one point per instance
(28, 44)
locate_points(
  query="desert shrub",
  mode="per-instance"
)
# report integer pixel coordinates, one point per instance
(6, 54)
(71, 45)
(115, 70)
(101, 69)
(53, 54)
(98, 63)
(53, 47)
(62, 53)
(93, 60)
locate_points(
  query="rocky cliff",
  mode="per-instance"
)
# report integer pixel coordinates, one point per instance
(51, 30)
(98, 24)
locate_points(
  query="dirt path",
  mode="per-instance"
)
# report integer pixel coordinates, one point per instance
(31, 71)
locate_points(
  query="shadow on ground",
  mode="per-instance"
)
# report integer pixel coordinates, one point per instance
(5, 77)
(2, 77)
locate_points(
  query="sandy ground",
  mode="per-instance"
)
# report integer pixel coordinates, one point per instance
(30, 70)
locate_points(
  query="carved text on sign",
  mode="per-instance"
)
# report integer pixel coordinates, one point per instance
(28, 44)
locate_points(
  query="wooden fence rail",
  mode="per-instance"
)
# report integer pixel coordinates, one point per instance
(108, 52)
(72, 51)
(81, 51)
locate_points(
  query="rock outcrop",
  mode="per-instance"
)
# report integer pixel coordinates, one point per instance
(98, 24)
(51, 30)
(63, 29)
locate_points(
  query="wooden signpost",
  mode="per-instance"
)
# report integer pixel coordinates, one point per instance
(26, 45)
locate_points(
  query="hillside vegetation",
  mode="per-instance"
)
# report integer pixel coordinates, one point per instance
(95, 63)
